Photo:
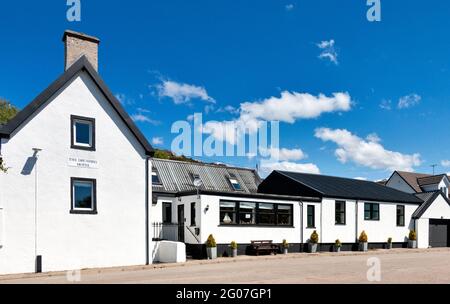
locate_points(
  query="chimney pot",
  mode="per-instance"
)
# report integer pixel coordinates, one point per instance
(78, 45)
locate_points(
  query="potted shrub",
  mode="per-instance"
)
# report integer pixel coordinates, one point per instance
(389, 243)
(412, 239)
(285, 246)
(313, 241)
(363, 239)
(337, 246)
(234, 248)
(211, 247)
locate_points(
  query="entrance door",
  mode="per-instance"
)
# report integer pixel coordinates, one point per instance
(181, 223)
(439, 233)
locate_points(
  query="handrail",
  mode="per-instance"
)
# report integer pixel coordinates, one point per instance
(193, 234)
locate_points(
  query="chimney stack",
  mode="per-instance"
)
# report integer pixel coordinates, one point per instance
(78, 44)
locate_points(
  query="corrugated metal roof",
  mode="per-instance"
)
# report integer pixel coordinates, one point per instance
(176, 176)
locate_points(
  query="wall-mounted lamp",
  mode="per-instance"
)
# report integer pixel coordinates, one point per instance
(206, 208)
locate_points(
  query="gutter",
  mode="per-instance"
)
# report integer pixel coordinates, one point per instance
(147, 225)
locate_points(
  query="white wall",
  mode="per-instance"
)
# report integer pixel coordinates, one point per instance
(440, 209)
(377, 231)
(399, 183)
(306, 233)
(113, 237)
(422, 230)
(210, 224)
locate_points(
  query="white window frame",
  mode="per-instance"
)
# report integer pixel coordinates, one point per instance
(79, 121)
(92, 183)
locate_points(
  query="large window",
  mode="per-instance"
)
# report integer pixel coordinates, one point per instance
(83, 133)
(311, 216)
(340, 212)
(251, 213)
(371, 212)
(167, 213)
(193, 219)
(83, 196)
(400, 215)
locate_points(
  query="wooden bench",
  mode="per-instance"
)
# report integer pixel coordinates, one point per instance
(267, 247)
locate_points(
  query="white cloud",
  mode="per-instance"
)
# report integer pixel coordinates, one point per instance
(445, 163)
(409, 101)
(386, 104)
(140, 117)
(268, 167)
(283, 154)
(367, 152)
(289, 7)
(158, 141)
(361, 178)
(289, 107)
(328, 51)
(123, 99)
(181, 92)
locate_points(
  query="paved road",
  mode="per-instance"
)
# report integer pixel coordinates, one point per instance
(397, 266)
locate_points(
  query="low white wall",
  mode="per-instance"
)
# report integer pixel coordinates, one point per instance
(170, 252)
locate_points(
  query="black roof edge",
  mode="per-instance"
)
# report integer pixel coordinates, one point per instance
(429, 203)
(306, 185)
(418, 202)
(80, 65)
(240, 194)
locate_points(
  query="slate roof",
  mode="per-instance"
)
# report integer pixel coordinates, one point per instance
(82, 64)
(430, 180)
(336, 187)
(176, 176)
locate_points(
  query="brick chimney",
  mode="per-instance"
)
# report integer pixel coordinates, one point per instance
(78, 44)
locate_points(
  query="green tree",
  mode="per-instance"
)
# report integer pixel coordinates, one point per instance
(164, 154)
(7, 111)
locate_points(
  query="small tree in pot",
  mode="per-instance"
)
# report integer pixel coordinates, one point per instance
(313, 241)
(363, 239)
(285, 246)
(337, 246)
(234, 248)
(412, 239)
(389, 243)
(211, 247)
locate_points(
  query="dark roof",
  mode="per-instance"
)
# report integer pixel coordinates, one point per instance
(81, 64)
(411, 179)
(428, 199)
(430, 180)
(334, 187)
(176, 176)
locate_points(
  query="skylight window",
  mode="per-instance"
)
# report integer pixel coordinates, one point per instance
(234, 182)
(155, 178)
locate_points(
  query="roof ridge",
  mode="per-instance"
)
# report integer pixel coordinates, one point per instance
(204, 164)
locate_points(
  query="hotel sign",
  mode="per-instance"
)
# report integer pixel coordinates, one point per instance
(83, 163)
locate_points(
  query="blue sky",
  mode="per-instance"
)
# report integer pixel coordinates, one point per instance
(169, 59)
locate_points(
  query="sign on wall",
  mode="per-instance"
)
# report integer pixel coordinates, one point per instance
(83, 163)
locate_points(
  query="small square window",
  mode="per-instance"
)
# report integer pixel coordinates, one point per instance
(83, 196)
(236, 186)
(155, 178)
(83, 133)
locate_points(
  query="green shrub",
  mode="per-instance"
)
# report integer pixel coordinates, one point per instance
(389, 240)
(412, 235)
(363, 237)
(285, 244)
(233, 245)
(338, 243)
(211, 242)
(314, 239)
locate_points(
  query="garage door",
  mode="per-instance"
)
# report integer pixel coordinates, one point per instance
(439, 233)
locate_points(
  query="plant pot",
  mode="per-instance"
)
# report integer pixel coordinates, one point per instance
(312, 248)
(412, 244)
(285, 250)
(363, 246)
(336, 248)
(388, 245)
(212, 253)
(234, 253)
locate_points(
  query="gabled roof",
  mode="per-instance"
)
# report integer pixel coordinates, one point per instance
(177, 176)
(411, 179)
(6, 131)
(334, 187)
(428, 199)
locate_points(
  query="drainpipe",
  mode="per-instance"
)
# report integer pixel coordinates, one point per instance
(147, 226)
(356, 221)
(321, 215)
(38, 259)
(301, 223)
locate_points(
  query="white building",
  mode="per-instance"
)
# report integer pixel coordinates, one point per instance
(76, 193)
(432, 218)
